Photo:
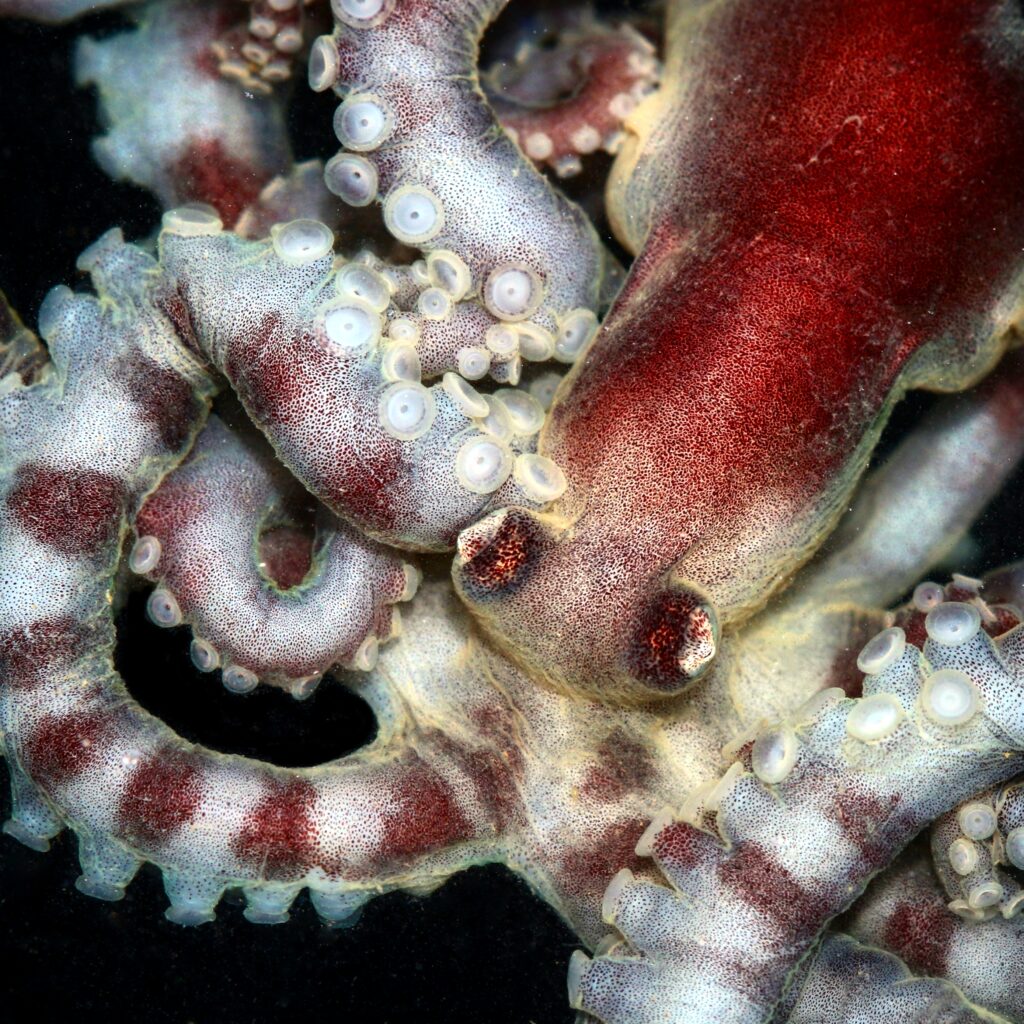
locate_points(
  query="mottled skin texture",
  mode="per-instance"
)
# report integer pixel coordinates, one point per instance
(824, 202)
(814, 238)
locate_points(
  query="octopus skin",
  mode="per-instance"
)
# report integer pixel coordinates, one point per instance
(765, 768)
(790, 193)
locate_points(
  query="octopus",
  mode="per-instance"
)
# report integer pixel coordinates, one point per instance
(546, 418)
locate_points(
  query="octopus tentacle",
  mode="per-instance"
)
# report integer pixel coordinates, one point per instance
(200, 539)
(174, 124)
(748, 891)
(791, 286)
(858, 984)
(411, 118)
(911, 514)
(300, 342)
(977, 855)
(565, 101)
(120, 407)
(905, 911)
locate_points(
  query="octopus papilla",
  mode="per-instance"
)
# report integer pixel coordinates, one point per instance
(589, 517)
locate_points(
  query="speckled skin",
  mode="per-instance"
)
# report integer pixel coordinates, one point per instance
(905, 912)
(208, 518)
(812, 241)
(709, 436)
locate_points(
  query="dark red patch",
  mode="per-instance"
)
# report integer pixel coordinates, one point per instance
(163, 398)
(285, 555)
(265, 368)
(870, 824)
(921, 933)
(675, 632)
(911, 621)
(681, 846)
(284, 380)
(767, 887)
(493, 775)
(422, 816)
(162, 795)
(497, 724)
(61, 747)
(30, 654)
(279, 836)
(175, 502)
(624, 767)
(75, 511)
(205, 173)
(592, 866)
(499, 564)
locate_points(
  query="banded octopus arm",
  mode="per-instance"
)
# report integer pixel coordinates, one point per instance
(412, 118)
(796, 828)
(300, 339)
(83, 444)
(809, 636)
(800, 265)
(858, 984)
(563, 90)
(905, 911)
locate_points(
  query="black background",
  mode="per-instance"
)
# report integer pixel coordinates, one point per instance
(481, 949)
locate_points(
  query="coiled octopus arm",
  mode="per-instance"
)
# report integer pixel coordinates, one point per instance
(791, 197)
(222, 535)
(301, 341)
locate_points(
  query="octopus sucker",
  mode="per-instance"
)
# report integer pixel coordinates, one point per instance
(649, 601)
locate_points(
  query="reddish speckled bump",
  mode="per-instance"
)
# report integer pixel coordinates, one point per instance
(498, 562)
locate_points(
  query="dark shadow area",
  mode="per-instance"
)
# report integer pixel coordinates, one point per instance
(268, 723)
